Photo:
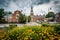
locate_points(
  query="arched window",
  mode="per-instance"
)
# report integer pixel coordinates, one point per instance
(17, 16)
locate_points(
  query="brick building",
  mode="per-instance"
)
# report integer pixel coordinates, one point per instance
(14, 17)
(58, 17)
(36, 18)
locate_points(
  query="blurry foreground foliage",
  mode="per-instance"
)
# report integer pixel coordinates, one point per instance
(31, 33)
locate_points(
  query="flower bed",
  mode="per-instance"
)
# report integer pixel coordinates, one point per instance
(30, 33)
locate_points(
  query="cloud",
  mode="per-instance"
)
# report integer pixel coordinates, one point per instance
(25, 5)
(22, 3)
(12, 6)
(42, 9)
(56, 6)
(42, 1)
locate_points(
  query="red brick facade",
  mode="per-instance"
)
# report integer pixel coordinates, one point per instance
(14, 17)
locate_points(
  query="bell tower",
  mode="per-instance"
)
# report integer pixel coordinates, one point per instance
(31, 13)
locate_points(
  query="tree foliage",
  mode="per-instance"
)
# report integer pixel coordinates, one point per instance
(50, 14)
(22, 18)
(7, 13)
(1, 15)
(29, 18)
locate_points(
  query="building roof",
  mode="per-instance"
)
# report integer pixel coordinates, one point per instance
(19, 12)
(38, 16)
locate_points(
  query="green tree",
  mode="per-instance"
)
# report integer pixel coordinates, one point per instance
(29, 18)
(22, 18)
(50, 14)
(1, 15)
(6, 13)
(9, 12)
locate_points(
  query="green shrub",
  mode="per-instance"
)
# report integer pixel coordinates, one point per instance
(58, 31)
(12, 26)
(49, 25)
(45, 25)
(57, 28)
(28, 33)
(9, 27)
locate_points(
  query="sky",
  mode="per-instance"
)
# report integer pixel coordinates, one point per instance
(40, 7)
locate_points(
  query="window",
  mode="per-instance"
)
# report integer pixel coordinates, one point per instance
(17, 16)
